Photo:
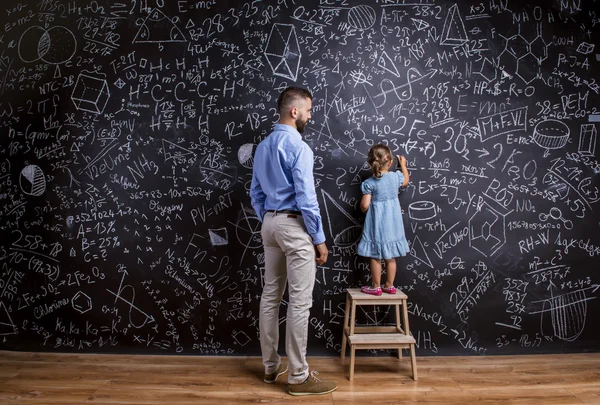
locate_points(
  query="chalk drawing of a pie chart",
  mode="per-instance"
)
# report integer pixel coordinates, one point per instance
(32, 180)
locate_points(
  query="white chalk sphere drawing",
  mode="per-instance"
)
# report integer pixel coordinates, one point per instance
(246, 155)
(32, 180)
(551, 134)
(54, 46)
(361, 17)
(421, 210)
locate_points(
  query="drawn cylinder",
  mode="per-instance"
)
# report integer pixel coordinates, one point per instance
(551, 134)
(421, 210)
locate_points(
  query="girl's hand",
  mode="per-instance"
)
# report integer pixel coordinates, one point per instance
(401, 160)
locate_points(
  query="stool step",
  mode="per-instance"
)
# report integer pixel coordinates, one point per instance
(380, 338)
(385, 299)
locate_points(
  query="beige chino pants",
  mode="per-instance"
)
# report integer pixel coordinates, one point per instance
(289, 257)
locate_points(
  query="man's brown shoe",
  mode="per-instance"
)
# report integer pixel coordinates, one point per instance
(271, 378)
(312, 386)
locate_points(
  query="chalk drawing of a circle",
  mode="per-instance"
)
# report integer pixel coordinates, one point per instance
(421, 210)
(361, 17)
(246, 155)
(247, 231)
(57, 45)
(54, 46)
(551, 134)
(32, 180)
(357, 134)
(28, 46)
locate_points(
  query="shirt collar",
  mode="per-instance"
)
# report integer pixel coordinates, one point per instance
(287, 128)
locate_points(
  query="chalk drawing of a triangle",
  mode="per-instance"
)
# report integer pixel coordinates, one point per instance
(454, 32)
(386, 63)
(157, 28)
(7, 327)
(345, 231)
(417, 250)
(174, 151)
(218, 237)
(420, 25)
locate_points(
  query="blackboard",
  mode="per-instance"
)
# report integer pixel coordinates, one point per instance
(127, 132)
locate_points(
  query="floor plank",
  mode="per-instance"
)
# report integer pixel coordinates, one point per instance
(57, 378)
(589, 395)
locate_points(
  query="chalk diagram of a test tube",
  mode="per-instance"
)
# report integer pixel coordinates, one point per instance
(568, 313)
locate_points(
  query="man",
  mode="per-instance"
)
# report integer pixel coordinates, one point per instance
(284, 198)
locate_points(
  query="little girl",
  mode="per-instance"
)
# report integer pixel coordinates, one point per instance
(383, 233)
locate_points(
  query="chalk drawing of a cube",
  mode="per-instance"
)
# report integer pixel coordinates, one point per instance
(90, 94)
(283, 51)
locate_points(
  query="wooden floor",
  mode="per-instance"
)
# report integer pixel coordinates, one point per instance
(32, 378)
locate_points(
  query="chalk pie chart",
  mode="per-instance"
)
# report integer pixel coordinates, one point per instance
(32, 180)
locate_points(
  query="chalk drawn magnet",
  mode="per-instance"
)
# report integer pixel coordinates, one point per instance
(421, 210)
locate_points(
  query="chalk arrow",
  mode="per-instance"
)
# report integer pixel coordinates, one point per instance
(483, 152)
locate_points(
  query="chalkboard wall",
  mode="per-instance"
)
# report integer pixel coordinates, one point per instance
(127, 132)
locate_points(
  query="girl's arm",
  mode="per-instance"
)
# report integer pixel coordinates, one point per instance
(402, 164)
(365, 202)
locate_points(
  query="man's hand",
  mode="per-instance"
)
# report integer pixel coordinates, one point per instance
(322, 252)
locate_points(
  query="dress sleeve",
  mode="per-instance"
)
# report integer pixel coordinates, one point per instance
(400, 178)
(365, 187)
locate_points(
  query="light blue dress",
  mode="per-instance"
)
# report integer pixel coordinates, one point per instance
(383, 232)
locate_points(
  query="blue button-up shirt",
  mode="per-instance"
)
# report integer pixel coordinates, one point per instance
(283, 179)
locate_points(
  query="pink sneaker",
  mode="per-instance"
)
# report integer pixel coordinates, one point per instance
(370, 290)
(389, 290)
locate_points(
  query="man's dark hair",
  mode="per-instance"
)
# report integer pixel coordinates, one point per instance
(289, 96)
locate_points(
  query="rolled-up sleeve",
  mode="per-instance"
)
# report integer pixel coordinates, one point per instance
(306, 196)
(258, 197)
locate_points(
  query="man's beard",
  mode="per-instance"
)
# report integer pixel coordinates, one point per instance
(301, 124)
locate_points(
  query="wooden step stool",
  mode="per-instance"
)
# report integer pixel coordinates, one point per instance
(377, 337)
